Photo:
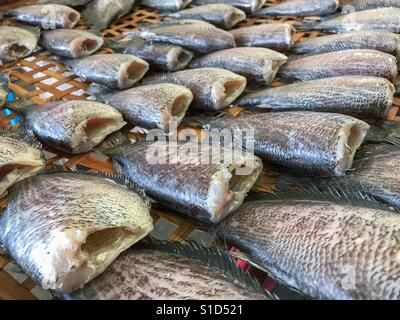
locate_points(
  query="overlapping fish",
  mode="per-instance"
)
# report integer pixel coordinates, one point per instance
(358, 96)
(166, 5)
(151, 106)
(221, 15)
(71, 126)
(375, 19)
(360, 5)
(361, 62)
(318, 143)
(20, 157)
(258, 64)
(47, 16)
(338, 245)
(144, 273)
(212, 88)
(116, 71)
(183, 176)
(379, 40)
(17, 42)
(160, 55)
(64, 229)
(277, 36)
(100, 13)
(71, 3)
(301, 8)
(194, 35)
(249, 6)
(71, 43)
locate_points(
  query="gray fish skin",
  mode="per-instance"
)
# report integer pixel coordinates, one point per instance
(17, 42)
(142, 274)
(360, 5)
(47, 16)
(375, 19)
(203, 191)
(248, 6)
(99, 14)
(361, 62)
(71, 3)
(116, 71)
(64, 229)
(301, 8)
(221, 15)
(212, 88)
(319, 247)
(357, 96)
(71, 43)
(152, 106)
(277, 36)
(258, 64)
(314, 142)
(160, 55)
(73, 126)
(4, 83)
(195, 35)
(18, 160)
(369, 39)
(166, 5)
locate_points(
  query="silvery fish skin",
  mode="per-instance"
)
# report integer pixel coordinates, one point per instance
(357, 96)
(18, 159)
(151, 106)
(314, 142)
(145, 274)
(71, 43)
(4, 83)
(277, 36)
(258, 64)
(116, 71)
(64, 229)
(248, 6)
(195, 35)
(166, 5)
(47, 16)
(360, 5)
(73, 126)
(71, 3)
(212, 88)
(326, 250)
(379, 40)
(160, 55)
(220, 15)
(301, 8)
(184, 182)
(17, 42)
(100, 13)
(375, 19)
(361, 62)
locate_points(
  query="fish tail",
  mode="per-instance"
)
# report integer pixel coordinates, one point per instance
(99, 92)
(21, 104)
(110, 43)
(22, 133)
(4, 80)
(384, 131)
(397, 89)
(306, 25)
(114, 143)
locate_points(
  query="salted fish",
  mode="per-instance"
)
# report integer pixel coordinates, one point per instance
(359, 5)
(248, 6)
(301, 8)
(166, 5)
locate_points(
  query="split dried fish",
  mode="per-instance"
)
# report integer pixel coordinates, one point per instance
(318, 143)
(166, 5)
(249, 6)
(47, 16)
(277, 36)
(301, 8)
(221, 15)
(64, 229)
(17, 42)
(116, 71)
(212, 88)
(358, 96)
(361, 62)
(257, 64)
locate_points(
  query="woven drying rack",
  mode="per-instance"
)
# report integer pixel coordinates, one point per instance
(42, 78)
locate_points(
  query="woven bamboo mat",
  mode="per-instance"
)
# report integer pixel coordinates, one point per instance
(42, 78)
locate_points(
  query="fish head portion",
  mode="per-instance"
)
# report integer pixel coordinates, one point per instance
(131, 72)
(226, 92)
(178, 58)
(233, 17)
(18, 160)
(71, 226)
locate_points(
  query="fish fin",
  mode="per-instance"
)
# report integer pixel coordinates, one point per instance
(99, 92)
(111, 43)
(113, 142)
(383, 131)
(305, 25)
(33, 29)
(211, 256)
(117, 178)
(336, 190)
(4, 80)
(22, 133)
(21, 104)
(387, 147)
